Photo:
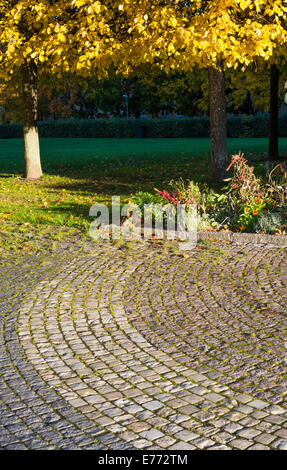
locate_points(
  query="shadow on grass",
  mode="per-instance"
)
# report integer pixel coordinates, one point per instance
(72, 209)
(128, 180)
(90, 188)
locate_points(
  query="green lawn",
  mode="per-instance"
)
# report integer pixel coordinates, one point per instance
(70, 153)
(81, 172)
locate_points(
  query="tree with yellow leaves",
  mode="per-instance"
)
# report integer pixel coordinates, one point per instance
(51, 37)
(215, 34)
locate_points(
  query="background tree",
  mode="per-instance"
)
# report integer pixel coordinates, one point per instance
(273, 152)
(218, 123)
(219, 34)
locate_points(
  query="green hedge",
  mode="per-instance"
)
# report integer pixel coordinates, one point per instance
(237, 126)
(8, 131)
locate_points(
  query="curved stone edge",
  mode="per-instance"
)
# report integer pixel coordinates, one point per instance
(243, 238)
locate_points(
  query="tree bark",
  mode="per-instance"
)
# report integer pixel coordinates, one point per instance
(273, 153)
(218, 124)
(33, 168)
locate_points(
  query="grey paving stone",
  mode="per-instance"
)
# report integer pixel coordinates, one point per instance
(258, 447)
(280, 444)
(258, 404)
(152, 434)
(203, 443)
(265, 438)
(248, 433)
(182, 446)
(232, 427)
(153, 405)
(240, 444)
(185, 436)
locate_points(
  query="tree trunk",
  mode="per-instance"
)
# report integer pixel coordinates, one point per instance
(33, 168)
(218, 124)
(273, 153)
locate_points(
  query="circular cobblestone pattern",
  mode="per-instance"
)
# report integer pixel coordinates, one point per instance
(143, 347)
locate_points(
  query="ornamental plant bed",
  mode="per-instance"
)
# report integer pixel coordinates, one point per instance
(246, 204)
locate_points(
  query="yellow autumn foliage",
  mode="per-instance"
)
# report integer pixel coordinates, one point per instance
(84, 36)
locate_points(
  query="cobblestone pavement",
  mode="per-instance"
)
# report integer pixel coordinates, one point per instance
(145, 348)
